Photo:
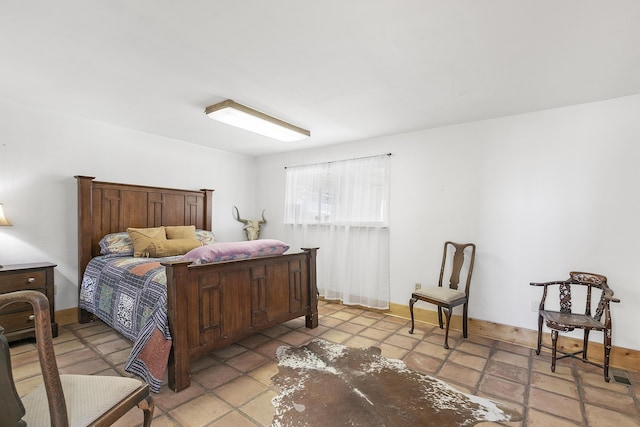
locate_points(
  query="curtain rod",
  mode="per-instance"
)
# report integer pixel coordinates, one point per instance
(343, 160)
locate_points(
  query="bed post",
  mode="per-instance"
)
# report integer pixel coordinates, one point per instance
(85, 184)
(179, 367)
(207, 208)
(311, 319)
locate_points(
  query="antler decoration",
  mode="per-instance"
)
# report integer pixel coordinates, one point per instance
(244, 221)
(251, 226)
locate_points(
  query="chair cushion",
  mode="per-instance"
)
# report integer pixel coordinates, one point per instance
(444, 295)
(87, 398)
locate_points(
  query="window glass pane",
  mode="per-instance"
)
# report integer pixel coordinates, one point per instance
(350, 192)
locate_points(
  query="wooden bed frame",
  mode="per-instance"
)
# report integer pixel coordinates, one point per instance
(209, 305)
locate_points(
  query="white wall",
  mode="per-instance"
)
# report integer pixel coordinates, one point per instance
(540, 194)
(41, 151)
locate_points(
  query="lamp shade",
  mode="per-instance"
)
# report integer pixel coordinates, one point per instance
(3, 219)
(238, 115)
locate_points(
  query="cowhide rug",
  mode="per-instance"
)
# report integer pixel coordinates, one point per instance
(325, 384)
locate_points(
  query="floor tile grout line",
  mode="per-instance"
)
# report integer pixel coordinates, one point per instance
(527, 391)
(99, 354)
(581, 392)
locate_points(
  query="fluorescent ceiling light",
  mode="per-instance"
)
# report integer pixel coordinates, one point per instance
(232, 113)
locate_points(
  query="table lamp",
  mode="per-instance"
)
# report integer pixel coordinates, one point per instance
(3, 220)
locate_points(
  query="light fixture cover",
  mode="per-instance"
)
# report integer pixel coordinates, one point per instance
(232, 113)
(3, 219)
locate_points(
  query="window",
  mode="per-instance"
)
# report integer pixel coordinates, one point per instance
(350, 192)
(343, 208)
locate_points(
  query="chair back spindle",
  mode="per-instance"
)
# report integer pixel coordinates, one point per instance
(565, 297)
(603, 306)
(458, 262)
(592, 280)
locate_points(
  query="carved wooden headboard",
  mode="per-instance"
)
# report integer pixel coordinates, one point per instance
(108, 207)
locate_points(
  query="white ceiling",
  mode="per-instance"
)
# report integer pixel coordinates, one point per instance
(344, 69)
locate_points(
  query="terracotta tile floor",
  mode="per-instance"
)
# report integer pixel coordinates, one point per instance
(232, 387)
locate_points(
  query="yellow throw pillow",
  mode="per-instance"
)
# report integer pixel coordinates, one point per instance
(163, 248)
(181, 232)
(142, 237)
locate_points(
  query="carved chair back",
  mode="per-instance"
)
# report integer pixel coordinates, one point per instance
(457, 264)
(587, 282)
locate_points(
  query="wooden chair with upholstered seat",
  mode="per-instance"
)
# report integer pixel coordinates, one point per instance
(446, 298)
(564, 320)
(63, 400)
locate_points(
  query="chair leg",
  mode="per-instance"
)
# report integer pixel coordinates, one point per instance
(464, 320)
(147, 405)
(447, 312)
(440, 316)
(607, 353)
(412, 301)
(539, 335)
(554, 343)
(585, 343)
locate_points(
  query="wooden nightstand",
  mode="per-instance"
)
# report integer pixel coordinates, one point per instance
(17, 319)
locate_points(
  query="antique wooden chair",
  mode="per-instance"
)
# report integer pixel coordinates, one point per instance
(63, 400)
(446, 298)
(565, 320)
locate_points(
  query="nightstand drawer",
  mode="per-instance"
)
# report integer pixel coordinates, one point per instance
(20, 317)
(23, 281)
(16, 318)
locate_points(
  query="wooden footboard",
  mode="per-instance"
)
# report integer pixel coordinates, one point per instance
(213, 305)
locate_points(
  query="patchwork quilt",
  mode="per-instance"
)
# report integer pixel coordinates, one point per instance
(130, 295)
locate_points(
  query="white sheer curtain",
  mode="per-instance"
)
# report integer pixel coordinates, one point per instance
(343, 208)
